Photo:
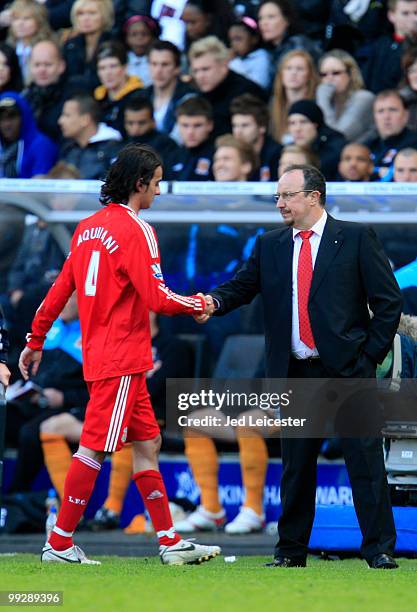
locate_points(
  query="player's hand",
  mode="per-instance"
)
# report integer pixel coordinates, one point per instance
(209, 309)
(4, 375)
(29, 357)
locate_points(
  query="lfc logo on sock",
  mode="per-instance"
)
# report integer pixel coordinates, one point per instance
(155, 494)
(75, 500)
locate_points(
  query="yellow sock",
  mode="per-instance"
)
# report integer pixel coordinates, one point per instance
(202, 456)
(57, 456)
(254, 463)
(120, 475)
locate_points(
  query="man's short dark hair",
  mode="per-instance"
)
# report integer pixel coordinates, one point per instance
(166, 45)
(248, 104)
(87, 105)
(313, 179)
(195, 107)
(112, 48)
(138, 103)
(135, 162)
(388, 93)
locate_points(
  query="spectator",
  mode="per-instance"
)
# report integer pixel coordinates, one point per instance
(59, 13)
(60, 392)
(369, 19)
(390, 117)
(250, 119)
(346, 105)
(209, 60)
(168, 14)
(12, 225)
(140, 33)
(139, 126)
(116, 85)
(47, 90)
(277, 24)
(90, 145)
(92, 21)
(307, 128)
(234, 160)
(405, 166)
(28, 25)
(356, 163)
(249, 59)
(25, 151)
(206, 18)
(294, 155)
(296, 79)
(383, 68)
(193, 160)
(408, 91)
(125, 9)
(10, 73)
(167, 90)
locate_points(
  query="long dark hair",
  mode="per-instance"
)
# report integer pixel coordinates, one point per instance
(15, 82)
(135, 162)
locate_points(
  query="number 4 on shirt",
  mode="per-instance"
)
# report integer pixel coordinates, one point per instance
(90, 285)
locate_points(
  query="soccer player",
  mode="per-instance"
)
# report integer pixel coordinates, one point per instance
(114, 266)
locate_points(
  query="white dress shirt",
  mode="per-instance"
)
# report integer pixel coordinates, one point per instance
(300, 350)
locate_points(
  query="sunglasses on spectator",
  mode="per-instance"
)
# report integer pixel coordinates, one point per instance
(332, 73)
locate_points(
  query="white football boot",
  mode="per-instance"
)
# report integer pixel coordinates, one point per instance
(74, 554)
(201, 520)
(247, 521)
(185, 552)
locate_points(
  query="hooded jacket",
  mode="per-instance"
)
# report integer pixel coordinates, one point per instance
(36, 152)
(93, 160)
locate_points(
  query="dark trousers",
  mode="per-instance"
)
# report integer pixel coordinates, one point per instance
(365, 465)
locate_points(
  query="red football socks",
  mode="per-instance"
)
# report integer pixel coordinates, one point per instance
(152, 489)
(79, 485)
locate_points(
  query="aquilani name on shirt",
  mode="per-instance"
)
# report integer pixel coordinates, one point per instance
(99, 233)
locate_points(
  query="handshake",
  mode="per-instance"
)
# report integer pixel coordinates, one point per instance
(209, 310)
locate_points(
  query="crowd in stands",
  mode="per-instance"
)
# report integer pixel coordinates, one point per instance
(224, 90)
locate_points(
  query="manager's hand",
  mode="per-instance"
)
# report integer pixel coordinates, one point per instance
(210, 308)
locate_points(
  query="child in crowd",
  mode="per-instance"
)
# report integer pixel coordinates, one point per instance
(140, 32)
(249, 59)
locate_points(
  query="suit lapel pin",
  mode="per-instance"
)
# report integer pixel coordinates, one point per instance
(335, 241)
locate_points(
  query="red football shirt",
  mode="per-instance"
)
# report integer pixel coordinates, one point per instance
(114, 265)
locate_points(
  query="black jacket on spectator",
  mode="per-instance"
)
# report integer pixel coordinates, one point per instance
(93, 160)
(291, 43)
(83, 72)
(328, 147)
(384, 150)
(371, 25)
(221, 97)
(182, 91)
(193, 164)
(269, 157)
(112, 110)
(4, 340)
(46, 103)
(59, 13)
(163, 144)
(382, 69)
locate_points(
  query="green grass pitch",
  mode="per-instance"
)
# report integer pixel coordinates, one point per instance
(124, 584)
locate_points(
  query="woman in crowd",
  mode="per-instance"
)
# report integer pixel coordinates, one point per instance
(28, 25)
(346, 105)
(408, 89)
(140, 32)
(10, 73)
(249, 60)
(295, 154)
(279, 31)
(116, 85)
(205, 18)
(92, 21)
(296, 79)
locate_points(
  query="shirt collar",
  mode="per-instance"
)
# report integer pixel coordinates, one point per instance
(318, 227)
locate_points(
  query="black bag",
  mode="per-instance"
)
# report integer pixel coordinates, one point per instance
(23, 512)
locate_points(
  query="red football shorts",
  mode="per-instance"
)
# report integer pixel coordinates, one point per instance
(119, 411)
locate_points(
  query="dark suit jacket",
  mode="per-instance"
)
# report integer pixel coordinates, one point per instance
(351, 270)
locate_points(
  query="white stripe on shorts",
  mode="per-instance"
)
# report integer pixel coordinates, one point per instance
(117, 414)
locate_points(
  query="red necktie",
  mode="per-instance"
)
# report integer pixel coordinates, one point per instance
(304, 277)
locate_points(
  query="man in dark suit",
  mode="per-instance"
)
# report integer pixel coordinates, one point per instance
(316, 277)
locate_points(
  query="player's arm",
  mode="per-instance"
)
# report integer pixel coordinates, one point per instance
(143, 267)
(48, 311)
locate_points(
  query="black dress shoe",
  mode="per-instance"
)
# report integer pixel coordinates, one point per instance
(383, 561)
(286, 562)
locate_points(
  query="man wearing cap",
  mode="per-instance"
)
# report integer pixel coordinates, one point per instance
(307, 128)
(25, 151)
